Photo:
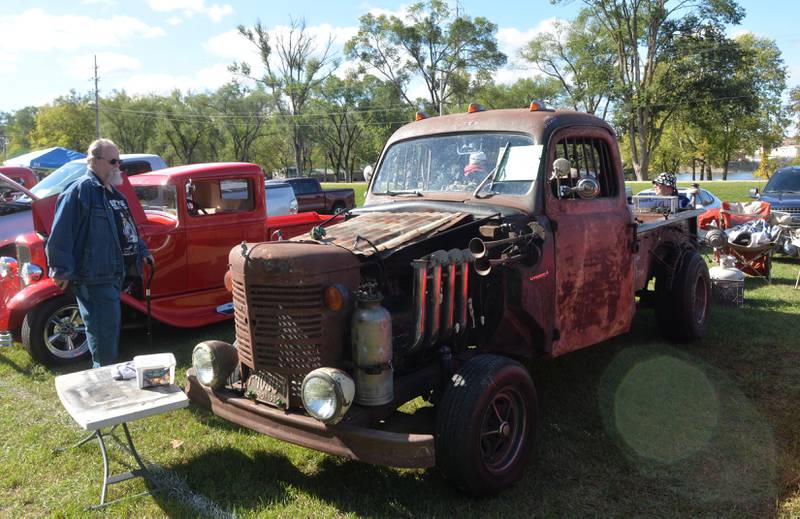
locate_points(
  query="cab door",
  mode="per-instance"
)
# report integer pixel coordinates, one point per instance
(221, 212)
(594, 296)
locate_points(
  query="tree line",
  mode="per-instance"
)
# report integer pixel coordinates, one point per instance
(679, 91)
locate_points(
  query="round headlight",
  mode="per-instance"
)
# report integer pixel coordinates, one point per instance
(8, 266)
(213, 362)
(30, 273)
(327, 394)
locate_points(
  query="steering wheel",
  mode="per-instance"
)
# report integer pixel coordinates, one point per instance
(193, 208)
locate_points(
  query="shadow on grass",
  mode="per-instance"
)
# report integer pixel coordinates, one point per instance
(635, 426)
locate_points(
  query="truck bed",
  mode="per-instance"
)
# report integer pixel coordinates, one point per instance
(649, 222)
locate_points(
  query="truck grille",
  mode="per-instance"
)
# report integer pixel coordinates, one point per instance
(794, 211)
(279, 331)
(23, 256)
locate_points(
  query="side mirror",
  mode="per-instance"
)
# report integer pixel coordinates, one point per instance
(754, 192)
(368, 170)
(561, 168)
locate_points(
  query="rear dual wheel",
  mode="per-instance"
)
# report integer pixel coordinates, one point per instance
(485, 425)
(682, 308)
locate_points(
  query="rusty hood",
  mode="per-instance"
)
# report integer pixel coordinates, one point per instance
(378, 231)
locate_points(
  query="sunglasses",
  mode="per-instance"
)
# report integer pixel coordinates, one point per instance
(113, 162)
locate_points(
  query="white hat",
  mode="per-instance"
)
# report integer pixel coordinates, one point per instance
(476, 157)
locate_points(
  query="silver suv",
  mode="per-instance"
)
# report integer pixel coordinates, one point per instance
(280, 199)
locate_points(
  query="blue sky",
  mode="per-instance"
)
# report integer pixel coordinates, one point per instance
(46, 47)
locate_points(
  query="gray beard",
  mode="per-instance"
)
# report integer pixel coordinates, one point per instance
(115, 178)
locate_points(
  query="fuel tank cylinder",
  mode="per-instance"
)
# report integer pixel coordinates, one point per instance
(372, 349)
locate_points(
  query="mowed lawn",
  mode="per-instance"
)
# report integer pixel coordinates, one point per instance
(635, 426)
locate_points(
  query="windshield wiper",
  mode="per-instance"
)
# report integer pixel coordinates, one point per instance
(415, 192)
(493, 173)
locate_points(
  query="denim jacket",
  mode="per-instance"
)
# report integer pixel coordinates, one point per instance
(84, 245)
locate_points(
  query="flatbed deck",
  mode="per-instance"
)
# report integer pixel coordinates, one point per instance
(647, 222)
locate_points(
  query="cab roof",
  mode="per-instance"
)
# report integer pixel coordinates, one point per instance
(539, 124)
(195, 171)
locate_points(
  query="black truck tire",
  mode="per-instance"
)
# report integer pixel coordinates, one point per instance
(485, 425)
(338, 207)
(53, 332)
(682, 309)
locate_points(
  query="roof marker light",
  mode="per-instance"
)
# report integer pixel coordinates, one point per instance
(474, 107)
(420, 116)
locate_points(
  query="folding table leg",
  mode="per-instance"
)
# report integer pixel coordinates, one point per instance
(108, 480)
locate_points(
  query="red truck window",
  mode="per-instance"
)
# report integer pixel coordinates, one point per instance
(589, 157)
(221, 196)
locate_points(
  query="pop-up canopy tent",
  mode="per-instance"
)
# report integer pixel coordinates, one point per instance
(50, 158)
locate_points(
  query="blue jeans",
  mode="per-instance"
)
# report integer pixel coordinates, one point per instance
(100, 311)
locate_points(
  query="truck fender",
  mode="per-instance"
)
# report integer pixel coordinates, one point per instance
(27, 298)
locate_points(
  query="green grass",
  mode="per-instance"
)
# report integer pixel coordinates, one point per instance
(633, 427)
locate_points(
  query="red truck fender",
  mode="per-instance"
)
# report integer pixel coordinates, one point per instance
(24, 300)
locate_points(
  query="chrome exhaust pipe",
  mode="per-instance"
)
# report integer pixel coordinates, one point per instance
(420, 288)
(437, 259)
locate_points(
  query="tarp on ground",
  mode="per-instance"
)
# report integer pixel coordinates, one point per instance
(50, 158)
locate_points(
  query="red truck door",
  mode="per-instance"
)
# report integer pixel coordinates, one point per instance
(594, 296)
(221, 212)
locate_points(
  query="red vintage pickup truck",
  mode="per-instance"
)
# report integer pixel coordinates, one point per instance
(189, 216)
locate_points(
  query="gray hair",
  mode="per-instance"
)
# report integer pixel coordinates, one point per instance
(96, 147)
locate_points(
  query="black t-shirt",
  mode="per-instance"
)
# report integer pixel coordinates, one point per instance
(126, 230)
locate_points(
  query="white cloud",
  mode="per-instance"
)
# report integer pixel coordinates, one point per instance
(109, 3)
(510, 40)
(174, 20)
(209, 78)
(191, 7)
(108, 64)
(36, 31)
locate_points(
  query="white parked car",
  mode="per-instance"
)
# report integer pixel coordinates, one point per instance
(706, 199)
(280, 199)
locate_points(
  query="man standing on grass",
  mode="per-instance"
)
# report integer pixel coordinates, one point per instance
(94, 246)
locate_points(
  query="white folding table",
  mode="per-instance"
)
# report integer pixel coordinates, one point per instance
(96, 401)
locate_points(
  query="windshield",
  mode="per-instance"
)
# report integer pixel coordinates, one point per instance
(784, 181)
(59, 179)
(460, 163)
(158, 198)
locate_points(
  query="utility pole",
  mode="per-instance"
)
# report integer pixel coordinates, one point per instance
(96, 102)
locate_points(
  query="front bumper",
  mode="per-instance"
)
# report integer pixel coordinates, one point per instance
(373, 446)
(6, 339)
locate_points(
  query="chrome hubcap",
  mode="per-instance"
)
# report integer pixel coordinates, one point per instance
(65, 333)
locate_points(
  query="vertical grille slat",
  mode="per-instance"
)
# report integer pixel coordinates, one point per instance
(279, 330)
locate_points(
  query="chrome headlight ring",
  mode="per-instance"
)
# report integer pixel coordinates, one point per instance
(8, 266)
(30, 273)
(327, 394)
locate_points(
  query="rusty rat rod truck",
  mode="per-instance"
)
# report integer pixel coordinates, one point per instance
(444, 286)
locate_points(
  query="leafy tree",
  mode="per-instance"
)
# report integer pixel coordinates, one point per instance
(581, 57)
(520, 93)
(68, 122)
(131, 122)
(293, 70)
(241, 114)
(445, 49)
(183, 128)
(643, 32)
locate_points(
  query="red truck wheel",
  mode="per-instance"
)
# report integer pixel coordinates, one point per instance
(53, 332)
(485, 424)
(682, 309)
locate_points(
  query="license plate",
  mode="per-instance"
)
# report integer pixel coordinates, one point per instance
(269, 388)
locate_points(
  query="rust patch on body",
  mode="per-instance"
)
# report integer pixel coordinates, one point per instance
(374, 232)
